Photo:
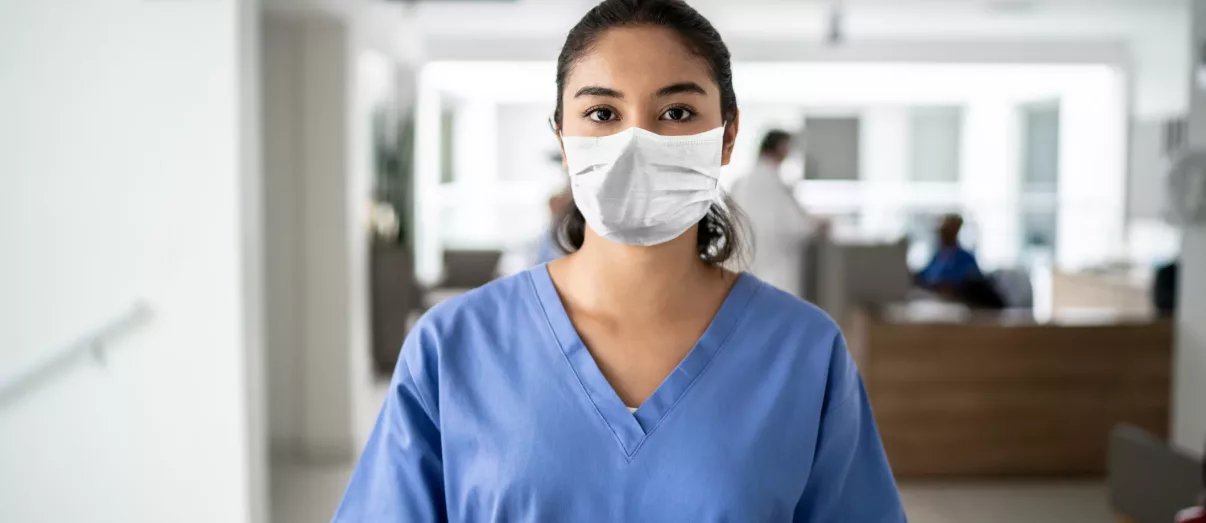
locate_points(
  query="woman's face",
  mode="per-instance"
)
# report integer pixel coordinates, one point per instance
(642, 77)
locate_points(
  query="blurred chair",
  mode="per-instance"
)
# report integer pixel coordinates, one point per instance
(468, 269)
(1014, 287)
(463, 270)
(396, 297)
(1149, 481)
(853, 274)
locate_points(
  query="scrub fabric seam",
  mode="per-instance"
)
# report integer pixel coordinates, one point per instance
(418, 392)
(549, 322)
(840, 343)
(742, 318)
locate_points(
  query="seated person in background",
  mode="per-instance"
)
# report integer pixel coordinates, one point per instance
(952, 265)
(953, 272)
(1164, 292)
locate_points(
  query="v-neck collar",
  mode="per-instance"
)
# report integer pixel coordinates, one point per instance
(631, 429)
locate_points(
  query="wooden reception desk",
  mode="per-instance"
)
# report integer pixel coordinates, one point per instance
(1001, 394)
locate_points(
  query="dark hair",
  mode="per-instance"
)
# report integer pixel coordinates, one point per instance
(718, 239)
(773, 140)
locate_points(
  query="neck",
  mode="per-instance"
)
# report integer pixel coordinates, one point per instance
(630, 281)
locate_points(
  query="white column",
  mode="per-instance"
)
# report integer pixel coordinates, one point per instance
(127, 177)
(1189, 364)
(989, 177)
(884, 133)
(315, 235)
(470, 216)
(1092, 178)
(428, 194)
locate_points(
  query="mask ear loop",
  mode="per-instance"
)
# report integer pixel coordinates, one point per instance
(718, 198)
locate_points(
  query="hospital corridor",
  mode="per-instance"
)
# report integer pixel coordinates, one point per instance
(595, 261)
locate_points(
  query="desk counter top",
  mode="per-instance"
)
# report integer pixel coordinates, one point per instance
(934, 312)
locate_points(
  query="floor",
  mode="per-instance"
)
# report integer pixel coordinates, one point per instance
(307, 494)
(310, 494)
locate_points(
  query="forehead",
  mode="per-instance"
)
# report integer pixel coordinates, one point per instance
(640, 59)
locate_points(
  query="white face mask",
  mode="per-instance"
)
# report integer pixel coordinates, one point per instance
(641, 188)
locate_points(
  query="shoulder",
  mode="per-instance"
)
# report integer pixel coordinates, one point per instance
(800, 336)
(773, 309)
(469, 318)
(478, 311)
(792, 329)
(474, 321)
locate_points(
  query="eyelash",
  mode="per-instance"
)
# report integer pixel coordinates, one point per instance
(690, 113)
(589, 112)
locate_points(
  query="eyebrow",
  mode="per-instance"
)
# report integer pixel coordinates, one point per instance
(594, 90)
(669, 90)
(681, 88)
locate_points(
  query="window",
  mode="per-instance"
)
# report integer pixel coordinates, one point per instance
(447, 150)
(831, 148)
(1040, 179)
(1040, 142)
(934, 142)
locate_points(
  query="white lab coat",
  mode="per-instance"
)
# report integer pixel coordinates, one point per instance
(781, 229)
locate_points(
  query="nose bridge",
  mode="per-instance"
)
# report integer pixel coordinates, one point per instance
(642, 109)
(641, 115)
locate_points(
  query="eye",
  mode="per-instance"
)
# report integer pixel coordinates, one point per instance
(601, 114)
(677, 114)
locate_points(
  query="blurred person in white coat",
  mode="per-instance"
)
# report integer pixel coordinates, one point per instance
(781, 229)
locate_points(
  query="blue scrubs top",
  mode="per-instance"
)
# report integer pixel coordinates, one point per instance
(497, 412)
(951, 266)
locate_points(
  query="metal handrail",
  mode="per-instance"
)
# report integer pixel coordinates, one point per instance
(93, 344)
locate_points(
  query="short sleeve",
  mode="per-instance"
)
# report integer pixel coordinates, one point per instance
(850, 478)
(400, 474)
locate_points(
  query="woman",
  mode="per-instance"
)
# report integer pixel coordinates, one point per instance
(633, 380)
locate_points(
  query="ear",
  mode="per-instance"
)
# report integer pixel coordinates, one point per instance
(730, 138)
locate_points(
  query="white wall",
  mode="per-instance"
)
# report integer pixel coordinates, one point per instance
(1145, 186)
(128, 172)
(1189, 379)
(1151, 239)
